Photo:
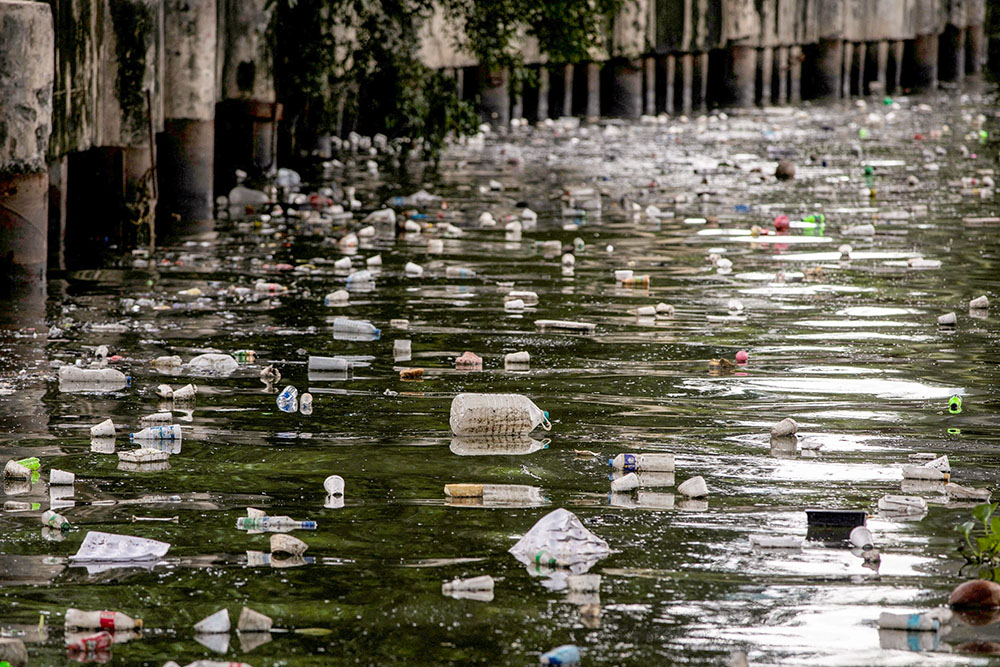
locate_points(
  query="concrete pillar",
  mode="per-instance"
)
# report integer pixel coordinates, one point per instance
(186, 149)
(669, 74)
(897, 58)
(973, 49)
(783, 70)
(27, 75)
(846, 69)
(881, 65)
(494, 96)
(703, 81)
(766, 74)
(567, 107)
(861, 55)
(543, 93)
(794, 74)
(594, 90)
(952, 54)
(649, 71)
(58, 182)
(247, 118)
(829, 62)
(517, 110)
(743, 75)
(625, 96)
(687, 81)
(925, 52)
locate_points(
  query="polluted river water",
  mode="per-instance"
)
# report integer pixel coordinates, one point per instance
(847, 345)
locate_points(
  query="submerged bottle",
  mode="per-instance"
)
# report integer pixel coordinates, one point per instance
(568, 654)
(171, 432)
(266, 523)
(347, 325)
(643, 462)
(496, 414)
(106, 620)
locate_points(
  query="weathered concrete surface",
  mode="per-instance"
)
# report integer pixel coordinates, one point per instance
(190, 52)
(245, 62)
(26, 79)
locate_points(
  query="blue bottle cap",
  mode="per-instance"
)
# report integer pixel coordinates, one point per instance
(545, 413)
(611, 462)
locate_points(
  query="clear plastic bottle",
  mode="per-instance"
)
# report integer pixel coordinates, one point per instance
(306, 404)
(54, 520)
(496, 414)
(643, 462)
(171, 432)
(106, 620)
(568, 654)
(347, 325)
(329, 364)
(288, 399)
(269, 523)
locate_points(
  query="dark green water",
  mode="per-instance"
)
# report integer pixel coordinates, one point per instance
(854, 356)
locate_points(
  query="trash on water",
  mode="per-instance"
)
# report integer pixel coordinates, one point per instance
(862, 538)
(54, 520)
(567, 325)
(287, 544)
(955, 405)
(775, 542)
(567, 654)
(513, 305)
(517, 360)
(648, 479)
(270, 524)
(329, 364)
(61, 477)
(694, 487)
(164, 391)
(212, 362)
(348, 326)
(253, 621)
(100, 546)
(306, 403)
(143, 455)
(947, 320)
(902, 505)
(928, 621)
(785, 427)
(836, 518)
(14, 470)
(105, 620)
(496, 445)
(167, 432)
(481, 583)
(469, 360)
(979, 303)
(185, 393)
(106, 429)
(495, 414)
(288, 399)
(493, 495)
(156, 418)
(966, 492)
(627, 482)
(13, 651)
(214, 623)
(559, 539)
(334, 485)
(411, 373)
(643, 462)
(338, 297)
(923, 472)
(975, 594)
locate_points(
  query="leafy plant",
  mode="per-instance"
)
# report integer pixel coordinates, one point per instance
(982, 536)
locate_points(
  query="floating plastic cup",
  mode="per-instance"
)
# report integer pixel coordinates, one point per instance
(861, 537)
(213, 624)
(694, 487)
(253, 621)
(334, 485)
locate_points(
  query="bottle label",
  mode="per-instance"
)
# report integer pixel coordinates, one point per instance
(107, 620)
(630, 465)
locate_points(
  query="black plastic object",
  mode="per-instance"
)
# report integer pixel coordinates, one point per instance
(836, 518)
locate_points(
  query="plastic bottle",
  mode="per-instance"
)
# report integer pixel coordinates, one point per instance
(306, 404)
(171, 432)
(267, 523)
(567, 654)
(346, 325)
(288, 399)
(643, 462)
(459, 272)
(329, 364)
(95, 375)
(106, 620)
(54, 520)
(496, 414)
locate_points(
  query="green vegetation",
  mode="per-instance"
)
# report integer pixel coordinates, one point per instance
(350, 65)
(982, 540)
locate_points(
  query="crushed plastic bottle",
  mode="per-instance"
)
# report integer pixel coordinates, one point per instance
(105, 620)
(288, 399)
(306, 404)
(170, 432)
(567, 654)
(273, 523)
(643, 462)
(496, 414)
(349, 326)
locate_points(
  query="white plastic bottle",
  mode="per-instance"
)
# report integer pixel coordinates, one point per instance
(346, 325)
(496, 414)
(329, 364)
(171, 432)
(643, 462)
(105, 620)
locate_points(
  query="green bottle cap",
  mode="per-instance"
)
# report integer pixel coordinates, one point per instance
(955, 405)
(887, 101)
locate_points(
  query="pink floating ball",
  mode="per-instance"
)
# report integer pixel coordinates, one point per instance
(741, 357)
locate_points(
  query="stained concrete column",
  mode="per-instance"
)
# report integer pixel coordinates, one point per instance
(626, 88)
(649, 78)
(703, 81)
(187, 146)
(881, 65)
(247, 118)
(897, 58)
(846, 68)
(567, 107)
(517, 110)
(794, 74)
(687, 81)
(494, 96)
(543, 93)
(766, 74)
(974, 49)
(952, 54)
(925, 56)
(670, 74)
(594, 90)
(783, 70)
(829, 62)
(861, 54)
(27, 75)
(743, 74)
